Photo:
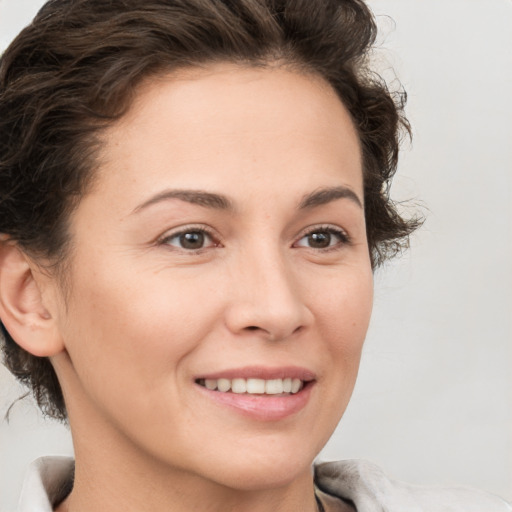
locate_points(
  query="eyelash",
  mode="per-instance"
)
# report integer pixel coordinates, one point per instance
(343, 238)
(165, 240)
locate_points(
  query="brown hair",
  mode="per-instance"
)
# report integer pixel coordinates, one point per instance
(74, 70)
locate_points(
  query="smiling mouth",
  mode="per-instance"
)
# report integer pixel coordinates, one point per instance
(287, 386)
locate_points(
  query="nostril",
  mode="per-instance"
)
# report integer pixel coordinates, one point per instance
(252, 328)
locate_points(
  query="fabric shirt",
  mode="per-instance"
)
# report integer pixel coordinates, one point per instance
(50, 479)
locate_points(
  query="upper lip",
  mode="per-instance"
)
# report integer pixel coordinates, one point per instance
(262, 372)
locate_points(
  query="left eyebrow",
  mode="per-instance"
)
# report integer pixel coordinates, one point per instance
(327, 195)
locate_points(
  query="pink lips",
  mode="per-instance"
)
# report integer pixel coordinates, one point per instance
(258, 372)
(262, 407)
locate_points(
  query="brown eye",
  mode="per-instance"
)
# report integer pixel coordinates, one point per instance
(323, 238)
(192, 240)
(319, 240)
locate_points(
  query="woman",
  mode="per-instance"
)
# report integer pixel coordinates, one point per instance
(193, 201)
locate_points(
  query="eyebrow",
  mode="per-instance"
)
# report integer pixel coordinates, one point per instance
(199, 197)
(221, 202)
(327, 195)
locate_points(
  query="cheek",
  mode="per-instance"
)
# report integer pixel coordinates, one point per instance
(345, 310)
(344, 315)
(134, 335)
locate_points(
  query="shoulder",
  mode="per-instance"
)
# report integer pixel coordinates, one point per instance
(370, 490)
(47, 482)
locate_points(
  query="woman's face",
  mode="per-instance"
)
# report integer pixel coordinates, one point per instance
(223, 244)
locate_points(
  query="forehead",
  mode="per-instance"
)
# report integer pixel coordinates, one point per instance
(214, 123)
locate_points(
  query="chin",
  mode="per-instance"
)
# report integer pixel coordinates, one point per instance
(257, 472)
(260, 479)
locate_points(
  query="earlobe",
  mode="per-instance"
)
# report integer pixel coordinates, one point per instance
(22, 309)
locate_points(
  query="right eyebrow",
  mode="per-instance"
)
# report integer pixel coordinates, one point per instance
(199, 197)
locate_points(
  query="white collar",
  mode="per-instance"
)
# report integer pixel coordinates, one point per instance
(47, 482)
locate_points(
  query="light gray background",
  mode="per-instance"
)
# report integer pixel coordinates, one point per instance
(433, 403)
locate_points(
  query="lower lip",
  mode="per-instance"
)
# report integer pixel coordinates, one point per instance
(262, 407)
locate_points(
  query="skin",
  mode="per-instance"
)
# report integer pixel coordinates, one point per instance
(144, 316)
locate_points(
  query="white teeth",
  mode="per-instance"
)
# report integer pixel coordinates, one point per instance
(224, 385)
(238, 386)
(210, 384)
(274, 386)
(254, 386)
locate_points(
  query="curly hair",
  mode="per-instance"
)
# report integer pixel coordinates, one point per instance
(75, 69)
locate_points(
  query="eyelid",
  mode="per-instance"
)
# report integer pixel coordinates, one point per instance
(190, 228)
(328, 228)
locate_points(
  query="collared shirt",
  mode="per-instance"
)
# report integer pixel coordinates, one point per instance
(50, 479)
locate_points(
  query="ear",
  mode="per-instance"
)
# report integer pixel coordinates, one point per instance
(22, 309)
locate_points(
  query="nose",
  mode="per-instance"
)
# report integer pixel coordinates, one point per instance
(266, 299)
